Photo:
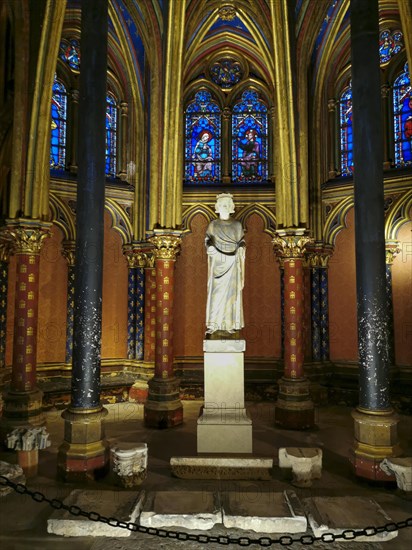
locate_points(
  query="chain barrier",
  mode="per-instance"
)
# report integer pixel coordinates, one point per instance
(285, 540)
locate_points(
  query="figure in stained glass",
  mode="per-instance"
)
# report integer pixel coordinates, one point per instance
(346, 133)
(111, 133)
(402, 103)
(202, 142)
(249, 139)
(70, 53)
(203, 154)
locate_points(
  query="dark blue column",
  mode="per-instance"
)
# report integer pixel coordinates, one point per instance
(324, 315)
(140, 305)
(131, 313)
(4, 273)
(316, 314)
(69, 254)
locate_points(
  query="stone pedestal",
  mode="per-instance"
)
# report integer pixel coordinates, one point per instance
(224, 426)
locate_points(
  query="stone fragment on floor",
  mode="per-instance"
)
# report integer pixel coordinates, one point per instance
(306, 464)
(402, 468)
(14, 473)
(337, 514)
(264, 512)
(122, 505)
(196, 467)
(189, 509)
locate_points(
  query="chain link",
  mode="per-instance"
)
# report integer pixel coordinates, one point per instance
(224, 540)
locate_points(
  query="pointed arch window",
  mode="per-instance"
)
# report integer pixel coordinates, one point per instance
(249, 139)
(202, 139)
(402, 122)
(111, 135)
(58, 125)
(346, 133)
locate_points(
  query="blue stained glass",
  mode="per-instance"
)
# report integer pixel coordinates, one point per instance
(389, 45)
(111, 135)
(249, 139)
(402, 109)
(70, 53)
(226, 72)
(58, 126)
(202, 139)
(346, 133)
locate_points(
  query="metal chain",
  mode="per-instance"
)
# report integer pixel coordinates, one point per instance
(285, 540)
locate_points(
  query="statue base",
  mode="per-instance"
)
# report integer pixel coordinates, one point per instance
(224, 426)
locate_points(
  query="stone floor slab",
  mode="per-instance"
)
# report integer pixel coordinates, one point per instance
(189, 509)
(337, 514)
(195, 467)
(264, 512)
(122, 505)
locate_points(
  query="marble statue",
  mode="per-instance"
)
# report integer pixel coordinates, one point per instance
(225, 247)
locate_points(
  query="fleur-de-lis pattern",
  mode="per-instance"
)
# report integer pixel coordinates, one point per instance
(4, 266)
(70, 313)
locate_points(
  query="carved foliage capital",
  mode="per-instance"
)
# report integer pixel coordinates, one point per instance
(167, 247)
(69, 252)
(137, 255)
(27, 237)
(227, 12)
(332, 105)
(318, 256)
(392, 249)
(290, 245)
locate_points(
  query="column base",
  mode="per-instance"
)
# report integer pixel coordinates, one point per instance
(21, 410)
(84, 454)
(376, 438)
(294, 410)
(163, 408)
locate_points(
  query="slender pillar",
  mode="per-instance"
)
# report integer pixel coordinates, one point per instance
(282, 306)
(163, 408)
(150, 312)
(307, 326)
(4, 272)
(84, 452)
(392, 249)
(294, 408)
(124, 115)
(23, 400)
(332, 137)
(375, 421)
(385, 94)
(226, 161)
(70, 254)
(74, 95)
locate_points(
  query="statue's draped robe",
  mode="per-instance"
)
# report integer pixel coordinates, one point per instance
(226, 274)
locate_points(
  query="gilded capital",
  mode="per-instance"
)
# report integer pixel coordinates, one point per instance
(290, 244)
(331, 105)
(69, 252)
(27, 236)
(6, 250)
(392, 249)
(166, 245)
(227, 12)
(124, 108)
(385, 89)
(318, 256)
(137, 254)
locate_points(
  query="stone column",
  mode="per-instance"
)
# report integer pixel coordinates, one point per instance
(149, 311)
(70, 254)
(163, 408)
(23, 400)
(124, 115)
(374, 419)
(84, 452)
(385, 93)
(4, 275)
(294, 408)
(392, 249)
(332, 137)
(282, 306)
(74, 94)
(225, 151)
(318, 259)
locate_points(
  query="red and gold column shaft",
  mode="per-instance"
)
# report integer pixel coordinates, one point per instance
(150, 312)
(294, 317)
(27, 241)
(164, 318)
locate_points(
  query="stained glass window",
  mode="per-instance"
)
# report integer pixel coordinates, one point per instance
(58, 125)
(202, 139)
(111, 135)
(226, 72)
(390, 43)
(346, 133)
(249, 139)
(402, 109)
(70, 53)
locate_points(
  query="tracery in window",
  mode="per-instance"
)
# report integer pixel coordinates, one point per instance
(249, 139)
(402, 109)
(390, 43)
(111, 135)
(346, 134)
(58, 125)
(202, 139)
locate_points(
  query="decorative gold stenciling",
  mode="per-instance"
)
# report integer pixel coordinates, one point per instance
(32, 278)
(166, 246)
(153, 321)
(292, 310)
(292, 295)
(166, 311)
(30, 295)
(152, 333)
(21, 322)
(30, 313)
(227, 12)
(27, 237)
(29, 349)
(20, 340)
(20, 358)
(32, 260)
(165, 296)
(166, 280)
(165, 327)
(292, 326)
(29, 367)
(293, 341)
(23, 268)
(318, 255)
(293, 358)
(22, 304)
(164, 373)
(153, 309)
(22, 286)
(165, 342)
(392, 249)
(292, 279)
(164, 359)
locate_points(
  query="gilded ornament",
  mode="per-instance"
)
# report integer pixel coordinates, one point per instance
(292, 326)
(166, 311)
(292, 310)
(165, 342)
(153, 321)
(392, 249)
(21, 322)
(166, 280)
(27, 238)
(32, 260)
(29, 350)
(69, 252)
(165, 327)
(20, 358)
(32, 278)
(165, 296)
(292, 279)
(30, 295)
(293, 358)
(29, 367)
(290, 245)
(153, 309)
(23, 268)
(292, 295)
(22, 286)
(293, 341)
(152, 333)
(22, 304)
(227, 13)
(165, 359)
(164, 373)
(30, 313)
(166, 247)
(20, 340)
